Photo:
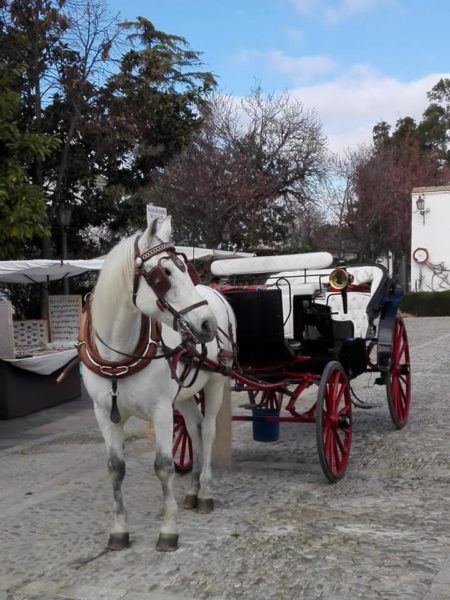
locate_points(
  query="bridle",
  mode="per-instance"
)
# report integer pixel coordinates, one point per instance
(158, 280)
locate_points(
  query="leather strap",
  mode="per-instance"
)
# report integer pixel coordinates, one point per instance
(144, 352)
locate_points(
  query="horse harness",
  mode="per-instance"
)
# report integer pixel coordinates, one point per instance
(150, 333)
(159, 281)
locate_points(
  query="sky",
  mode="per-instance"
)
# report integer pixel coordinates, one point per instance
(355, 62)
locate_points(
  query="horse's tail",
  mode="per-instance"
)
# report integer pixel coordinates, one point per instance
(222, 445)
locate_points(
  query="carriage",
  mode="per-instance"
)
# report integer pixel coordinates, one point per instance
(302, 325)
(152, 340)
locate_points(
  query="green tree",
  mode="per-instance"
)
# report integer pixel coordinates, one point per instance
(122, 98)
(22, 205)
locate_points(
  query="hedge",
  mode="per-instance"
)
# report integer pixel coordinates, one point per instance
(426, 304)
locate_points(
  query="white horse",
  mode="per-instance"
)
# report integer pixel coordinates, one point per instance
(129, 373)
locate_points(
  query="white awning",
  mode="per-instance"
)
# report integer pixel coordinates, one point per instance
(41, 271)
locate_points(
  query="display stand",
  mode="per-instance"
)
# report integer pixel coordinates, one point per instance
(30, 366)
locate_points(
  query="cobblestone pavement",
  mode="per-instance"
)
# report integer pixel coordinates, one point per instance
(279, 531)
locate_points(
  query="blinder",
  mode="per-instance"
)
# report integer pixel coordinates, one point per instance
(192, 271)
(157, 280)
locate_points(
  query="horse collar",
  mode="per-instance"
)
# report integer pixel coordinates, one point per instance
(145, 350)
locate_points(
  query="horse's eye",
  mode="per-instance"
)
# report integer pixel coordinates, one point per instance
(167, 271)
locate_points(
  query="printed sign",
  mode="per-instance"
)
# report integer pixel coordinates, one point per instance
(64, 315)
(156, 212)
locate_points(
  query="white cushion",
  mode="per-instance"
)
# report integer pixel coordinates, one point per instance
(356, 310)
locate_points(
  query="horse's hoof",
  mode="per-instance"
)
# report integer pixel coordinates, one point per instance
(205, 505)
(190, 502)
(118, 541)
(167, 542)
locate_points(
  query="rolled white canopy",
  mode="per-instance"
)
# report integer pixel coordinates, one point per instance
(272, 264)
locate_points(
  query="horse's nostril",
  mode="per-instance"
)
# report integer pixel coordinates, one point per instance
(208, 329)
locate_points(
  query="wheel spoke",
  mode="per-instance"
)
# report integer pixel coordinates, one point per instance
(400, 350)
(339, 442)
(339, 396)
(329, 444)
(183, 450)
(177, 443)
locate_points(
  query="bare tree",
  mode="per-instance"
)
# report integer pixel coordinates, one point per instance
(244, 177)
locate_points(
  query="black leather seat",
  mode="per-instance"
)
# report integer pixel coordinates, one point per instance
(260, 330)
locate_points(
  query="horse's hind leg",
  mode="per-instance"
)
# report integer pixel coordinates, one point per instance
(113, 434)
(164, 469)
(193, 420)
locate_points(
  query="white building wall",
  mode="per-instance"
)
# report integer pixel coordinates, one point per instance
(430, 240)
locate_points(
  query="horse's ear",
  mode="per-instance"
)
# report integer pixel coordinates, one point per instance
(165, 231)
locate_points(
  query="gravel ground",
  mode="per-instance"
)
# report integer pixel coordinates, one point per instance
(279, 531)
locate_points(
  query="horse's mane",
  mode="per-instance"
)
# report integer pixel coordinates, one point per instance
(114, 284)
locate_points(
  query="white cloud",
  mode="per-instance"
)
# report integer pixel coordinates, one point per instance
(347, 8)
(294, 34)
(349, 106)
(350, 103)
(245, 56)
(306, 6)
(333, 10)
(301, 69)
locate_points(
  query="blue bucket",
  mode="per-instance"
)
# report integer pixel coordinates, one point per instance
(265, 431)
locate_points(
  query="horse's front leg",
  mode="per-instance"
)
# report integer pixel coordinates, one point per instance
(164, 469)
(214, 395)
(113, 434)
(193, 421)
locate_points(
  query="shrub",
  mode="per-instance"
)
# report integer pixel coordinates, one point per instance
(426, 304)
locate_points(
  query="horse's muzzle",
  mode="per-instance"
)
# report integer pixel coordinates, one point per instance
(206, 333)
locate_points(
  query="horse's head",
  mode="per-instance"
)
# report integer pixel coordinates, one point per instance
(163, 286)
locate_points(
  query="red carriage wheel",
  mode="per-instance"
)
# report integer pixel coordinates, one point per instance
(183, 456)
(398, 378)
(333, 421)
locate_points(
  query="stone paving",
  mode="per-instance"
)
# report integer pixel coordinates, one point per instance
(279, 531)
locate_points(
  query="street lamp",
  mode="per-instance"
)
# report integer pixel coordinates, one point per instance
(226, 235)
(65, 216)
(420, 203)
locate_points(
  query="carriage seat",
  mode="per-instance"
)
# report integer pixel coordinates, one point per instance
(362, 306)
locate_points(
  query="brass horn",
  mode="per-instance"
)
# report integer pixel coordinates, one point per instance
(339, 278)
